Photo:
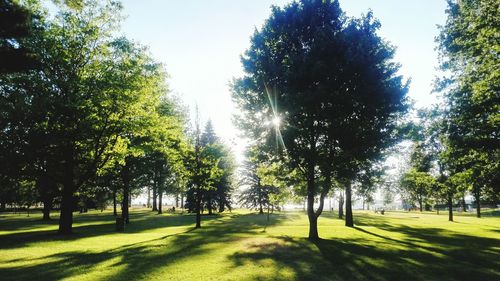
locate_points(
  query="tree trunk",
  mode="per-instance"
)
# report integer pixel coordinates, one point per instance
(221, 206)
(420, 203)
(66, 216)
(125, 205)
(450, 207)
(47, 206)
(67, 192)
(126, 191)
(268, 213)
(160, 201)
(148, 203)
(209, 202)
(348, 206)
(114, 203)
(477, 195)
(177, 200)
(45, 188)
(261, 210)
(155, 195)
(198, 209)
(464, 206)
(313, 219)
(182, 201)
(2, 206)
(341, 206)
(363, 203)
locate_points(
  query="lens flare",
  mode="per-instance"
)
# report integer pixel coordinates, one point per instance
(276, 121)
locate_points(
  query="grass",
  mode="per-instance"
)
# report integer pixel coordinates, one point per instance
(243, 246)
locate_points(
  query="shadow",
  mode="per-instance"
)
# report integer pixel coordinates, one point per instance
(354, 259)
(414, 254)
(24, 231)
(137, 259)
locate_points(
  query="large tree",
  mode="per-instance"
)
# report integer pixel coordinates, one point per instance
(368, 103)
(469, 47)
(328, 84)
(92, 94)
(203, 165)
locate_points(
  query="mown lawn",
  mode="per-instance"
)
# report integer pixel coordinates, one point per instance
(242, 246)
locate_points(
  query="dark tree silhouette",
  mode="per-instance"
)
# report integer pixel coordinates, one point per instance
(330, 84)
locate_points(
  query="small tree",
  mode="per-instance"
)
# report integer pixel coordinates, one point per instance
(419, 185)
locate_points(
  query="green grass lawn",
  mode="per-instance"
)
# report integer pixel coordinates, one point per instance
(242, 246)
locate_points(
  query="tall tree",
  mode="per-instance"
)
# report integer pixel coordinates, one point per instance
(288, 59)
(203, 166)
(94, 90)
(330, 87)
(371, 102)
(468, 45)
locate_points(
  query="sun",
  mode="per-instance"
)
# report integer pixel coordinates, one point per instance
(276, 121)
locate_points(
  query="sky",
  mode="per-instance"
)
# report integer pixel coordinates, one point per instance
(200, 43)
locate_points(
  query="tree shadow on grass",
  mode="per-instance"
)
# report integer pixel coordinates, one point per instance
(136, 260)
(88, 225)
(421, 254)
(417, 254)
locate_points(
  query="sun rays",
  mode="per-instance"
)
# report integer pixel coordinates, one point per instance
(276, 121)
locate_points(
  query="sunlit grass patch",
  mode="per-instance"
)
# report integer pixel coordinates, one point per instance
(245, 246)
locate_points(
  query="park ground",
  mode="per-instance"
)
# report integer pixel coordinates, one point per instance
(243, 246)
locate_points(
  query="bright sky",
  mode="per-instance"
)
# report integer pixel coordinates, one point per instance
(200, 42)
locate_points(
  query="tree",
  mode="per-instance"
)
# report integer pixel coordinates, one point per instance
(372, 103)
(156, 142)
(26, 195)
(208, 138)
(224, 185)
(83, 97)
(217, 196)
(263, 188)
(471, 90)
(275, 179)
(325, 82)
(254, 195)
(108, 178)
(281, 70)
(202, 164)
(418, 184)
(98, 90)
(16, 23)
(368, 180)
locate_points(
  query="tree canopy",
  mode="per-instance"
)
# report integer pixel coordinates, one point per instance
(331, 83)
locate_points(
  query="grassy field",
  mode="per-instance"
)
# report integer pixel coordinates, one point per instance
(243, 246)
